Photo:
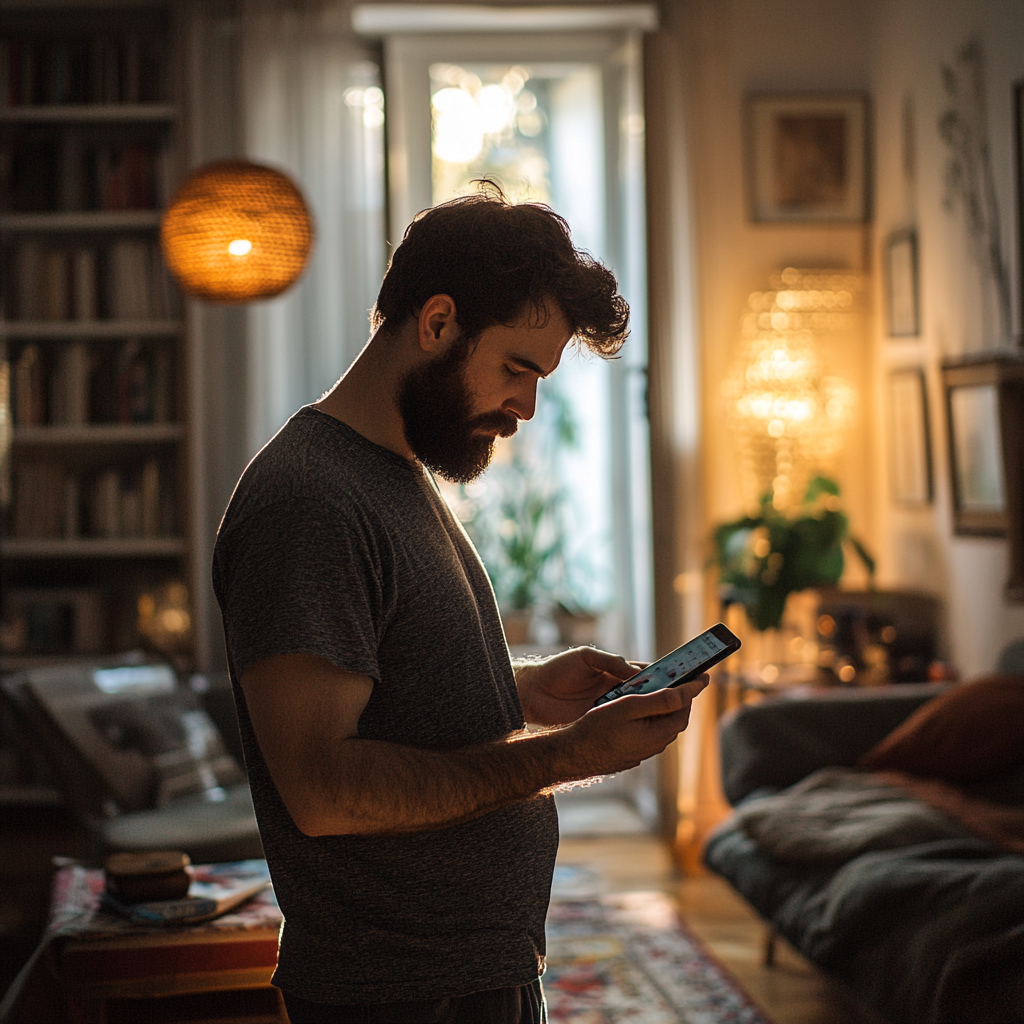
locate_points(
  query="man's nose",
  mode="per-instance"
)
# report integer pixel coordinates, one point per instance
(524, 402)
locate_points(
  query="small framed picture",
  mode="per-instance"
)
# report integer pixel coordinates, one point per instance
(976, 449)
(807, 157)
(911, 456)
(901, 285)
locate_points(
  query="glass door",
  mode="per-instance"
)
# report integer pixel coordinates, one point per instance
(555, 119)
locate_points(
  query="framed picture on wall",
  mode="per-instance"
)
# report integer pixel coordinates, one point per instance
(911, 456)
(807, 157)
(976, 457)
(901, 285)
(985, 418)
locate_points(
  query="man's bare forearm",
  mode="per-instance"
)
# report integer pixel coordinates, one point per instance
(369, 786)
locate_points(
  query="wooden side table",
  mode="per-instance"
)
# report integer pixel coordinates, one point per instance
(97, 969)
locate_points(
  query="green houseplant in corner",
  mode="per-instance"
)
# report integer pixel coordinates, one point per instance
(764, 558)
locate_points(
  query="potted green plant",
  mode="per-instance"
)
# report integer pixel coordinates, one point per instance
(520, 536)
(764, 558)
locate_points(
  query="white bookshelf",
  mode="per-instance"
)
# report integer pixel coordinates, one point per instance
(57, 329)
(82, 220)
(31, 795)
(89, 113)
(95, 547)
(87, 480)
(100, 433)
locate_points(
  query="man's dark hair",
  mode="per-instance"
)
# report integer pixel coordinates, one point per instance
(498, 260)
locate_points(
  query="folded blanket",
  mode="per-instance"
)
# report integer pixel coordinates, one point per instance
(836, 814)
(1000, 824)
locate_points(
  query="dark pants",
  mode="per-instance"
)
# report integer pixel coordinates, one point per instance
(502, 1006)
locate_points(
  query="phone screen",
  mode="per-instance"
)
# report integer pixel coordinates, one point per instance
(675, 668)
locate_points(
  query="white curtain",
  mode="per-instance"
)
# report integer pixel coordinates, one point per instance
(313, 108)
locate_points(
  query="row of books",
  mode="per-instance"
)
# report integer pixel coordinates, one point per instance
(47, 170)
(54, 620)
(52, 501)
(101, 69)
(126, 280)
(77, 383)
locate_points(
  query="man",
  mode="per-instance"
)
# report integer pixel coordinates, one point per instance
(405, 812)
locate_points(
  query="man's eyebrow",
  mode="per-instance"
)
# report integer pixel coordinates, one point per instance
(528, 364)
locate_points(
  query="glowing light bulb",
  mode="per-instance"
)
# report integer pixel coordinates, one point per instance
(240, 247)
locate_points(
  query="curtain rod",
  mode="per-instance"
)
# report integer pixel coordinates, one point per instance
(403, 19)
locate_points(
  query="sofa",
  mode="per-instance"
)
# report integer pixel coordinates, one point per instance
(142, 760)
(881, 832)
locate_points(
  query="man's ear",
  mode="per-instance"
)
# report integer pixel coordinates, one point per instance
(436, 324)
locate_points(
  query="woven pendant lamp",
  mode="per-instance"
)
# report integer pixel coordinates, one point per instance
(237, 231)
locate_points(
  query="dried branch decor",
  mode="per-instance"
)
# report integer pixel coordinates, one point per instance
(969, 177)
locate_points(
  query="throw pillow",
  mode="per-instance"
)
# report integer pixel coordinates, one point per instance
(972, 731)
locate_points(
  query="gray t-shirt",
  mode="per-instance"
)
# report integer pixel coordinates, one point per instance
(334, 546)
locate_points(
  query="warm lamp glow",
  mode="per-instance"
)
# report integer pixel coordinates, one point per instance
(787, 415)
(237, 231)
(164, 618)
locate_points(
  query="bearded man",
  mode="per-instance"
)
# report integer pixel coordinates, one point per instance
(405, 811)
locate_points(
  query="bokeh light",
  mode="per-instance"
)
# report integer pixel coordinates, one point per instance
(488, 121)
(787, 414)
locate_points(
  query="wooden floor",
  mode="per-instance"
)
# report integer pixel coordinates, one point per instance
(791, 992)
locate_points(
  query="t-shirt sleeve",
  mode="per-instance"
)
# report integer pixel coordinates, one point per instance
(301, 577)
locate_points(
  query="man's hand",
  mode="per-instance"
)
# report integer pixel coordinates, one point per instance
(560, 689)
(628, 730)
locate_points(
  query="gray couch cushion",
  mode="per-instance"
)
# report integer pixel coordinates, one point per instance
(207, 831)
(778, 742)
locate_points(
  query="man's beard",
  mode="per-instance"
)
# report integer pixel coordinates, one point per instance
(436, 408)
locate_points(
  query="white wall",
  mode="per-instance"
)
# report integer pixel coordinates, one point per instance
(730, 48)
(892, 49)
(911, 39)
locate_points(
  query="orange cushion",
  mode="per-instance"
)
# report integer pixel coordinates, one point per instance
(973, 730)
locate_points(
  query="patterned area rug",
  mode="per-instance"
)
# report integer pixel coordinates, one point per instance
(628, 959)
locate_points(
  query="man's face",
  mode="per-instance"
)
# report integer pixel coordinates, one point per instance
(454, 406)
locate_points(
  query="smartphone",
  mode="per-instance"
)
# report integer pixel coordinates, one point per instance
(682, 665)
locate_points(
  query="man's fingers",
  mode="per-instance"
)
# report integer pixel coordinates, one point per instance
(695, 686)
(666, 701)
(614, 664)
(661, 702)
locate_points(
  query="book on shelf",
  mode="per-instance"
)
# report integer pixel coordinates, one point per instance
(54, 293)
(50, 169)
(130, 502)
(75, 383)
(132, 383)
(128, 68)
(38, 500)
(128, 274)
(127, 178)
(54, 620)
(69, 386)
(29, 388)
(52, 501)
(85, 285)
(126, 280)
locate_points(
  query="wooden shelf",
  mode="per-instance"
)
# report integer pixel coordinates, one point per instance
(94, 547)
(61, 329)
(27, 795)
(100, 433)
(82, 220)
(89, 113)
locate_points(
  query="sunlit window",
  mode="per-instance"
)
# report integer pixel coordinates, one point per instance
(541, 516)
(489, 121)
